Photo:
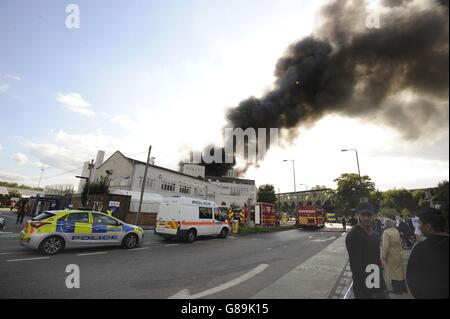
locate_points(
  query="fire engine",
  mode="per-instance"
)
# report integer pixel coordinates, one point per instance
(310, 216)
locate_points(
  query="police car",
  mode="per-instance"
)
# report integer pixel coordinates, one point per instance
(52, 231)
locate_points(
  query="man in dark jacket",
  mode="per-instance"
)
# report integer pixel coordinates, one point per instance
(427, 270)
(21, 212)
(363, 247)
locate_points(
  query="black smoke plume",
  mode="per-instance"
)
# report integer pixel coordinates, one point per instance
(397, 74)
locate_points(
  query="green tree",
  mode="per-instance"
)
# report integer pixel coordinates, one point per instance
(420, 198)
(266, 194)
(350, 189)
(441, 198)
(101, 186)
(14, 193)
(401, 200)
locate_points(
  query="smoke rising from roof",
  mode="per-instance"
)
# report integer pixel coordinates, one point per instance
(396, 74)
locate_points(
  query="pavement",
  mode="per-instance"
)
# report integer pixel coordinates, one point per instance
(345, 283)
(312, 279)
(233, 268)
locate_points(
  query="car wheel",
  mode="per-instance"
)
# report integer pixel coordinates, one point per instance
(51, 245)
(191, 235)
(223, 233)
(130, 241)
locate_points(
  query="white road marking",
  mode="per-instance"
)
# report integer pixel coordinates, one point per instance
(25, 259)
(184, 294)
(97, 253)
(269, 248)
(323, 240)
(13, 253)
(5, 232)
(171, 245)
(140, 248)
(156, 242)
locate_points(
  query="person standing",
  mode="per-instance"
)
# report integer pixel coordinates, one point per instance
(363, 247)
(417, 232)
(344, 223)
(391, 253)
(427, 269)
(21, 212)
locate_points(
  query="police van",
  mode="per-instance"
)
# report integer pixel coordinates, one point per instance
(187, 218)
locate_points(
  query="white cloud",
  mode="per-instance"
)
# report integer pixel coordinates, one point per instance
(10, 76)
(12, 177)
(67, 151)
(4, 87)
(125, 122)
(1, 147)
(19, 158)
(75, 103)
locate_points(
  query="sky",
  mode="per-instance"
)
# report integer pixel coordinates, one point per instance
(163, 73)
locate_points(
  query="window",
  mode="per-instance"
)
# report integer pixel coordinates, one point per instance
(205, 212)
(43, 216)
(104, 220)
(185, 189)
(219, 216)
(125, 181)
(166, 186)
(78, 218)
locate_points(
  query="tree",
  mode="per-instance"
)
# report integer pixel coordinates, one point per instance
(266, 194)
(441, 199)
(401, 200)
(101, 186)
(14, 193)
(350, 189)
(420, 198)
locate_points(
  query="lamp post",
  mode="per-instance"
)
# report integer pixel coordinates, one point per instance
(357, 160)
(40, 177)
(295, 187)
(143, 185)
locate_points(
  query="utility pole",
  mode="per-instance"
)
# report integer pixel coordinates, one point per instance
(295, 185)
(90, 167)
(143, 184)
(40, 177)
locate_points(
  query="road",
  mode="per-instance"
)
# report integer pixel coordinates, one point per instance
(237, 267)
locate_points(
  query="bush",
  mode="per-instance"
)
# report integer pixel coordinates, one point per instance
(389, 212)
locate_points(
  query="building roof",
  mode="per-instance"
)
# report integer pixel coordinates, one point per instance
(4, 191)
(207, 178)
(230, 180)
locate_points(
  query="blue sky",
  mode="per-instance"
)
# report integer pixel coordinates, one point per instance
(161, 73)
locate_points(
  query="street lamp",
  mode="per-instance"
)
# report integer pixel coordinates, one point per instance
(40, 177)
(295, 187)
(357, 160)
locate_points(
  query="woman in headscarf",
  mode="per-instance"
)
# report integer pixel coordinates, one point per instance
(391, 253)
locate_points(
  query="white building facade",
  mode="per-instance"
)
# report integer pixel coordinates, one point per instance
(126, 174)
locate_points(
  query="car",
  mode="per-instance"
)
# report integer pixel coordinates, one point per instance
(53, 231)
(187, 218)
(2, 223)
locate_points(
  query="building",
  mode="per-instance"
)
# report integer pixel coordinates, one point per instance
(127, 175)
